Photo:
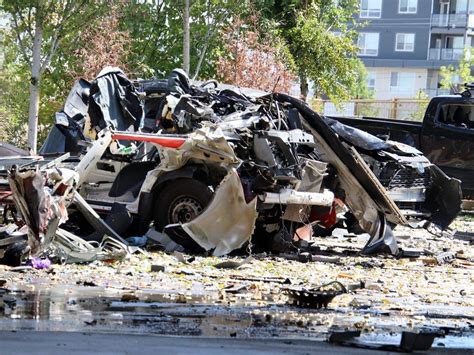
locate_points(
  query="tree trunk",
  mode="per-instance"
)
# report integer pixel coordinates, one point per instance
(304, 88)
(186, 37)
(203, 54)
(35, 89)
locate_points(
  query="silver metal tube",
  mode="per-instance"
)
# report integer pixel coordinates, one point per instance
(293, 197)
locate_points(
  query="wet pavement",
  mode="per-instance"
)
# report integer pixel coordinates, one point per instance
(49, 343)
(199, 300)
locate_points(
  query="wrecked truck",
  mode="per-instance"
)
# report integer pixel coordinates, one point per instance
(215, 168)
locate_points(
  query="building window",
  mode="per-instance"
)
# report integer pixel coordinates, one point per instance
(407, 6)
(402, 83)
(405, 42)
(368, 43)
(370, 80)
(370, 8)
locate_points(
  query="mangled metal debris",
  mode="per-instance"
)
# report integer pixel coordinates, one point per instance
(214, 168)
(208, 228)
(43, 194)
(315, 298)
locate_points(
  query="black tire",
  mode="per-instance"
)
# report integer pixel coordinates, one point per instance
(180, 201)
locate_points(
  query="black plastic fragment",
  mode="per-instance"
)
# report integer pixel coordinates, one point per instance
(417, 341)
(318, 297)
(343, 336)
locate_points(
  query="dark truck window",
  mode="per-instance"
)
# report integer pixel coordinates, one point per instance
(457, 115)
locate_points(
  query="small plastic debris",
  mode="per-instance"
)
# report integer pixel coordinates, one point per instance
(86, 283)
(233, 264)
(158, 268)
(374, 286)
(304, 233)
(164, 240)
(441, 258)
(417, 341)
(445, 257)
(359, 304)
(182, 258)
(342, 336)
(39, 263)
(129, 297)
(21, 268)
(138, 241)
(318, 297)
(235, 288)
(326, 259)
(409, 253)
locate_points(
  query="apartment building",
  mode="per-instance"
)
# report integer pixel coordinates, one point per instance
(405, 42)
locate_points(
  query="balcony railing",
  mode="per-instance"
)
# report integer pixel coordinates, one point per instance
(452, 20)
(446, 53)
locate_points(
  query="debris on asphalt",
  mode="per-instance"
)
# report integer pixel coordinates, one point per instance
(420, 341)
(317, 297)
(158, 268)
(39, 263)
(241, 198)
(233, 264)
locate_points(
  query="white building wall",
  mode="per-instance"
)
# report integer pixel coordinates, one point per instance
(383, 79)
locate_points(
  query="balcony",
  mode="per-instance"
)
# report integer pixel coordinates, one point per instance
(446, 54)
(452, 20)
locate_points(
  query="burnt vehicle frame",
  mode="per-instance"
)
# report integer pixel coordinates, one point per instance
(445, 136)
(353, 159)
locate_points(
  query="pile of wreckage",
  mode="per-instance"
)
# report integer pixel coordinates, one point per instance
(207, 168)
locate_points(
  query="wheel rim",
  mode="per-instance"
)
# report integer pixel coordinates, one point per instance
(184, 209)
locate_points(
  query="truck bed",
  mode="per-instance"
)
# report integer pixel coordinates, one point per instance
(407, 132)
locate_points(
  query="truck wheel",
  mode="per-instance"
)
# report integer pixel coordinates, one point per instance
(180, 202)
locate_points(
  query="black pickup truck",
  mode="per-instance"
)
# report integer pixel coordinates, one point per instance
(446, 135)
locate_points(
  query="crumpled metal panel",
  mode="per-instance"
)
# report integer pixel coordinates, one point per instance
(228, 222)
(69, 248)
(312, 178)
(41, 207)
(207, 144)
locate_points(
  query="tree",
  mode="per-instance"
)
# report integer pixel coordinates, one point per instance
(251, 62)
(102, 45)
(422, 103)
(157, 33)
(13, 102)
(320, 36)
(360, 89)
(186, 31)
(454, 77)
(38, 28)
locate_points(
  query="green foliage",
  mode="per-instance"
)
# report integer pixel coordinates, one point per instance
(320, 36)
(314, 38)
(14, 82)
(423, 102)
(455, 77)
(156, 29)
(60, 23)
(13, 103)
(360, 89)
(368, 109)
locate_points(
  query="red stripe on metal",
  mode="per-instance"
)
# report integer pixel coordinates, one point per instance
(164, 141)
